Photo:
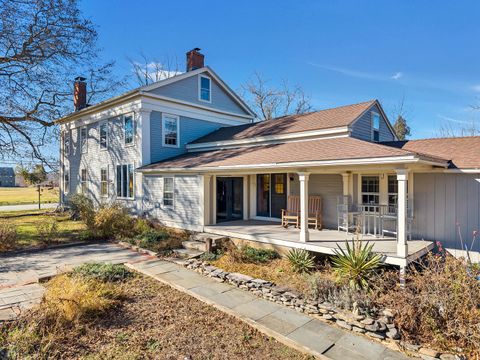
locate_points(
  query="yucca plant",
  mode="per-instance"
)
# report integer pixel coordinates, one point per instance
(301, 260)
(356, 264)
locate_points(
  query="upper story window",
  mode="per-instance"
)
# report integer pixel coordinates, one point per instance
(83, 139)
(66, 142)
(103, 135)
(170, 130)
(129, 129)
(375, 127)
(205, 89)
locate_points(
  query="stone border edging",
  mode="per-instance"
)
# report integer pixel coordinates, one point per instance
(136, 248)
(381, 329)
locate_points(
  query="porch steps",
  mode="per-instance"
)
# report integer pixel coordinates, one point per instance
(187, 253)
(196, 246)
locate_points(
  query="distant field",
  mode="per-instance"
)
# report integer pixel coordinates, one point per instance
(26, 195)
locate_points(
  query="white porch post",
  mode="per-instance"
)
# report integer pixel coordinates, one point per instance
(402, 247)
(303, 177)
(346, 178)
(204, 199)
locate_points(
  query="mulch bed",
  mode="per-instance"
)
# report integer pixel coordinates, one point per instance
(157, 322)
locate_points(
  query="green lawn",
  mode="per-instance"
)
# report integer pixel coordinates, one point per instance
(27, 195)
(68, 230)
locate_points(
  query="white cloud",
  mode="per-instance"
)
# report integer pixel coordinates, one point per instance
(476, 88)
(359, 74)
(397, 75)
(446, 118)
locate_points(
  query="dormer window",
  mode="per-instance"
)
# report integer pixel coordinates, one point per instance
(375, 127)
(205, 89)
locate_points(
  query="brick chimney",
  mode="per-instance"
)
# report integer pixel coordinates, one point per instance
(79, 93)
(195, 60)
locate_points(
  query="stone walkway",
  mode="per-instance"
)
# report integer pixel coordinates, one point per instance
(286, 325)
(23, 207)
(20, 272)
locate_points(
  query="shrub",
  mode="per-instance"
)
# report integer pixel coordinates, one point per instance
(356, 264)
(113, 221)
(69, 298)
(47, 230)
(141, 226)
(104, 272)
(300, 260)
(8, 236)
(253, 255)
(439, 305)
(82, 209)
(211, 256)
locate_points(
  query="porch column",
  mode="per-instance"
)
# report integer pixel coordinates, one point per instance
(204, 199)
(402, 247)
(346, 178)
(303, 178)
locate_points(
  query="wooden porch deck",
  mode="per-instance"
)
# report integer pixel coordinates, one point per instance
(321, 241)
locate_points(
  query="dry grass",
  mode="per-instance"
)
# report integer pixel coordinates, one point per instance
(27, 195)
(278, 271)
(27, 227)
(153, 321)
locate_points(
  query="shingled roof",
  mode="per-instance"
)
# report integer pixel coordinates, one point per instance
(344, 148)
(463, 152)
(323, 119)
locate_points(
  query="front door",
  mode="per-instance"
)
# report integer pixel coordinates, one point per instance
(271, 194)
(229, 198)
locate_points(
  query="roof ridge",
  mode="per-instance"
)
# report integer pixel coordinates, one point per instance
(445, 138)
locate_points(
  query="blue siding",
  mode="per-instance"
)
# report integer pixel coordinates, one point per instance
(187, 90)
(362, 128)
(190, 129)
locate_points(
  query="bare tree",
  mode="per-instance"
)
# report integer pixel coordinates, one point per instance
(270, 102)
(43, 45)
(147, 71)
(459, 129)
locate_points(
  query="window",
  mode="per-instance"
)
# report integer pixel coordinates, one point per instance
(375, 127)
(370, 190)
(83, 180)
(129, 130)
(168, 189)
(66, 142)
(392, 193)
(170, 130)
(104, 182)
(83, 139)
(103, 135)
(125, 181)
(66, 180)
(205, 89)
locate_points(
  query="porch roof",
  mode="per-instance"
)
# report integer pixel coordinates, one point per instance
(321, 152)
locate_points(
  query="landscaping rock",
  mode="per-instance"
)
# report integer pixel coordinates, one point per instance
(327, 317)
(393, 334)
(428, 352)
(239, 278)
(373, 327)
(375, 335)
(358, 330)
(410, 347)
(387, 313)
(344, 324)
(367, 321)
(449, 357)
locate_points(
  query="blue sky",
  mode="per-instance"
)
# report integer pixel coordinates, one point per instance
(340, 52)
